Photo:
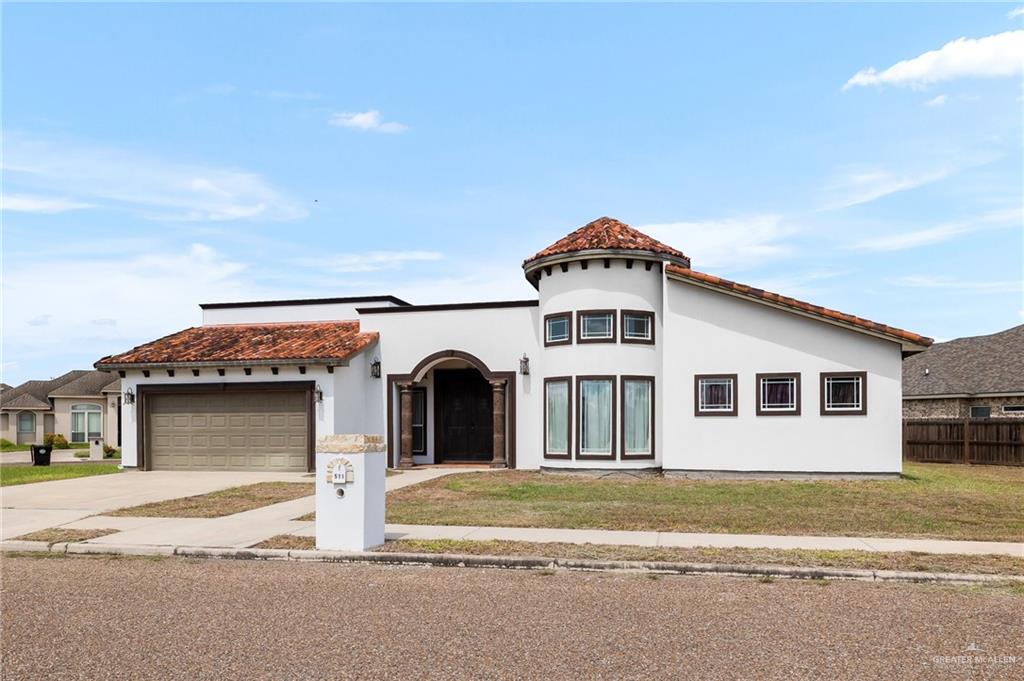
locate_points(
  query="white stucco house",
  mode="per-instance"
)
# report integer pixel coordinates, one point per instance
(626, 359)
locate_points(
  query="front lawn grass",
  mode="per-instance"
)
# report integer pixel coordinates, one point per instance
(21, 475)
(57, 535)
(930, 500)
(222, 502)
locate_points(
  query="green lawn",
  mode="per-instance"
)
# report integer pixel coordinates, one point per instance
(942, 501)
(21, 475)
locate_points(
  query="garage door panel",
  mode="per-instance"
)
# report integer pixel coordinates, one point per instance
(228, 431)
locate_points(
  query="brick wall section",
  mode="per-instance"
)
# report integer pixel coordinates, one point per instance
(958, 408)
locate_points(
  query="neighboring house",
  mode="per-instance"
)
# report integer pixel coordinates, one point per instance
(975, 377)
(79, 405)
(627, 359)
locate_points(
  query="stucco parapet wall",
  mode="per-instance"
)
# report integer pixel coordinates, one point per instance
(350, 444)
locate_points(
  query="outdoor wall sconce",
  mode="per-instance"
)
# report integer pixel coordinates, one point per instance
(524, 365)
(128, 397)
(318, 393)
(375, 367)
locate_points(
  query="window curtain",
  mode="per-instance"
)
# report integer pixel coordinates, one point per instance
(596, 417)
(638, 416)
(26, 423)
(78, 422)
(95, 427)
(844, 392)
(558, 417)
(779, 393)
(716, 393)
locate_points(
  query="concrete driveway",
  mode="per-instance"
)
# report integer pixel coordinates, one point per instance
(37, 506)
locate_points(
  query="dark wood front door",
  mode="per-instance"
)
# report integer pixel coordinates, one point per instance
(465, 418)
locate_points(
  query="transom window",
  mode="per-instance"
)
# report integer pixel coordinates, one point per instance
(778, 394)
(26, 422)
(637, 326)
(86, 422)
(715, 395)
(596, 326)
(595, 417)
(556, 418)
(557, 329)
(419, 421)
(637, 417)
(844, 393)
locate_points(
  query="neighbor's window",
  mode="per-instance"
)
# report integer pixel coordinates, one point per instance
(86, 422)
(419, 421)
(557, 329)
(637, 326)
(596, 398)
(844, 393)
(778, 394)
(556, 415)
(637, 417)
(26, 422)
(596, 325)
(981, 412)
(1013, 408)
(715, 394)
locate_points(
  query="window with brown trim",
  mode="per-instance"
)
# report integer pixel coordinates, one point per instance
(637, 417)
(595, 417)
(778, 394)
(557, 417)
(637, 326)
(419, 421)
(558, 328)
(844, 393)
(714, 395)
(595, 326)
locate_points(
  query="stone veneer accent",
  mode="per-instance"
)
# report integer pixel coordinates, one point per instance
(350, 444)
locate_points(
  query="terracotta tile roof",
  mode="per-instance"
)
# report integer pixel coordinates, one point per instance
(798, 305)
(35, 394)
(606, 234)
(976, 365)
(258, 343)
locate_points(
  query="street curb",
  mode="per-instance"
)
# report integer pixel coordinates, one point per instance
(513, 563)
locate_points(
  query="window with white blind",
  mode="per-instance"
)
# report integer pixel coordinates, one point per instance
(595, 417)
(556, 417)
(637, 417)
(86, 422)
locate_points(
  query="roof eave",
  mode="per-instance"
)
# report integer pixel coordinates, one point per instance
(213, 364)
(906, 345)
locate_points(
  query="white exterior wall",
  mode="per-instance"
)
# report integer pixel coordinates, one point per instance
(596, 287)
(496, 336)
(310, 312)
(709, 332)
(338, 389)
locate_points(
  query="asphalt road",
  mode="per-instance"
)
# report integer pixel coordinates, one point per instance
(103, 618)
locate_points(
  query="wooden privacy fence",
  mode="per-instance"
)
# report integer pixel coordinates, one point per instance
(978, 441)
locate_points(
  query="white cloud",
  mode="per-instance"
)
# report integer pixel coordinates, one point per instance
(936, 101)
(27, 203)
(1016, 12)
(371, 261)
(728, 242)
(996, 55)
(367, 120)
(150, 187)
(867, 185)
(931, 282)
(939, 233)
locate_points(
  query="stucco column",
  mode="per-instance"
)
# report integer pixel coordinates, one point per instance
(405, 425)
(498, 389)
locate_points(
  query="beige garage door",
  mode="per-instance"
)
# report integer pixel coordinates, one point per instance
(229, 431)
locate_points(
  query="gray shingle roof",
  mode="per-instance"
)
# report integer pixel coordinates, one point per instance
(90, 384)
(35, 394)
(968, 366)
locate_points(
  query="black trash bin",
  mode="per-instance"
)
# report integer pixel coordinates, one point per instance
(41, 455)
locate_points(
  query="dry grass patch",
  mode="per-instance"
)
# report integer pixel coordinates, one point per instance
(930, 500)
(222, 502)
(864, 560)
(58, 535)
(292, 542)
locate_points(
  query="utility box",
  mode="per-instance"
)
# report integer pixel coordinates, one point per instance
(350, 472)
(96, 449)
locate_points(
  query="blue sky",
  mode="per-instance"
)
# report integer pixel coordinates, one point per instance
(157, 157)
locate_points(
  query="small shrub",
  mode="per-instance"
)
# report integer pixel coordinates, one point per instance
(110, 452)
(5, 443)
(55, 440)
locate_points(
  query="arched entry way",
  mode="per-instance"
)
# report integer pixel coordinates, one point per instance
(451, 408)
